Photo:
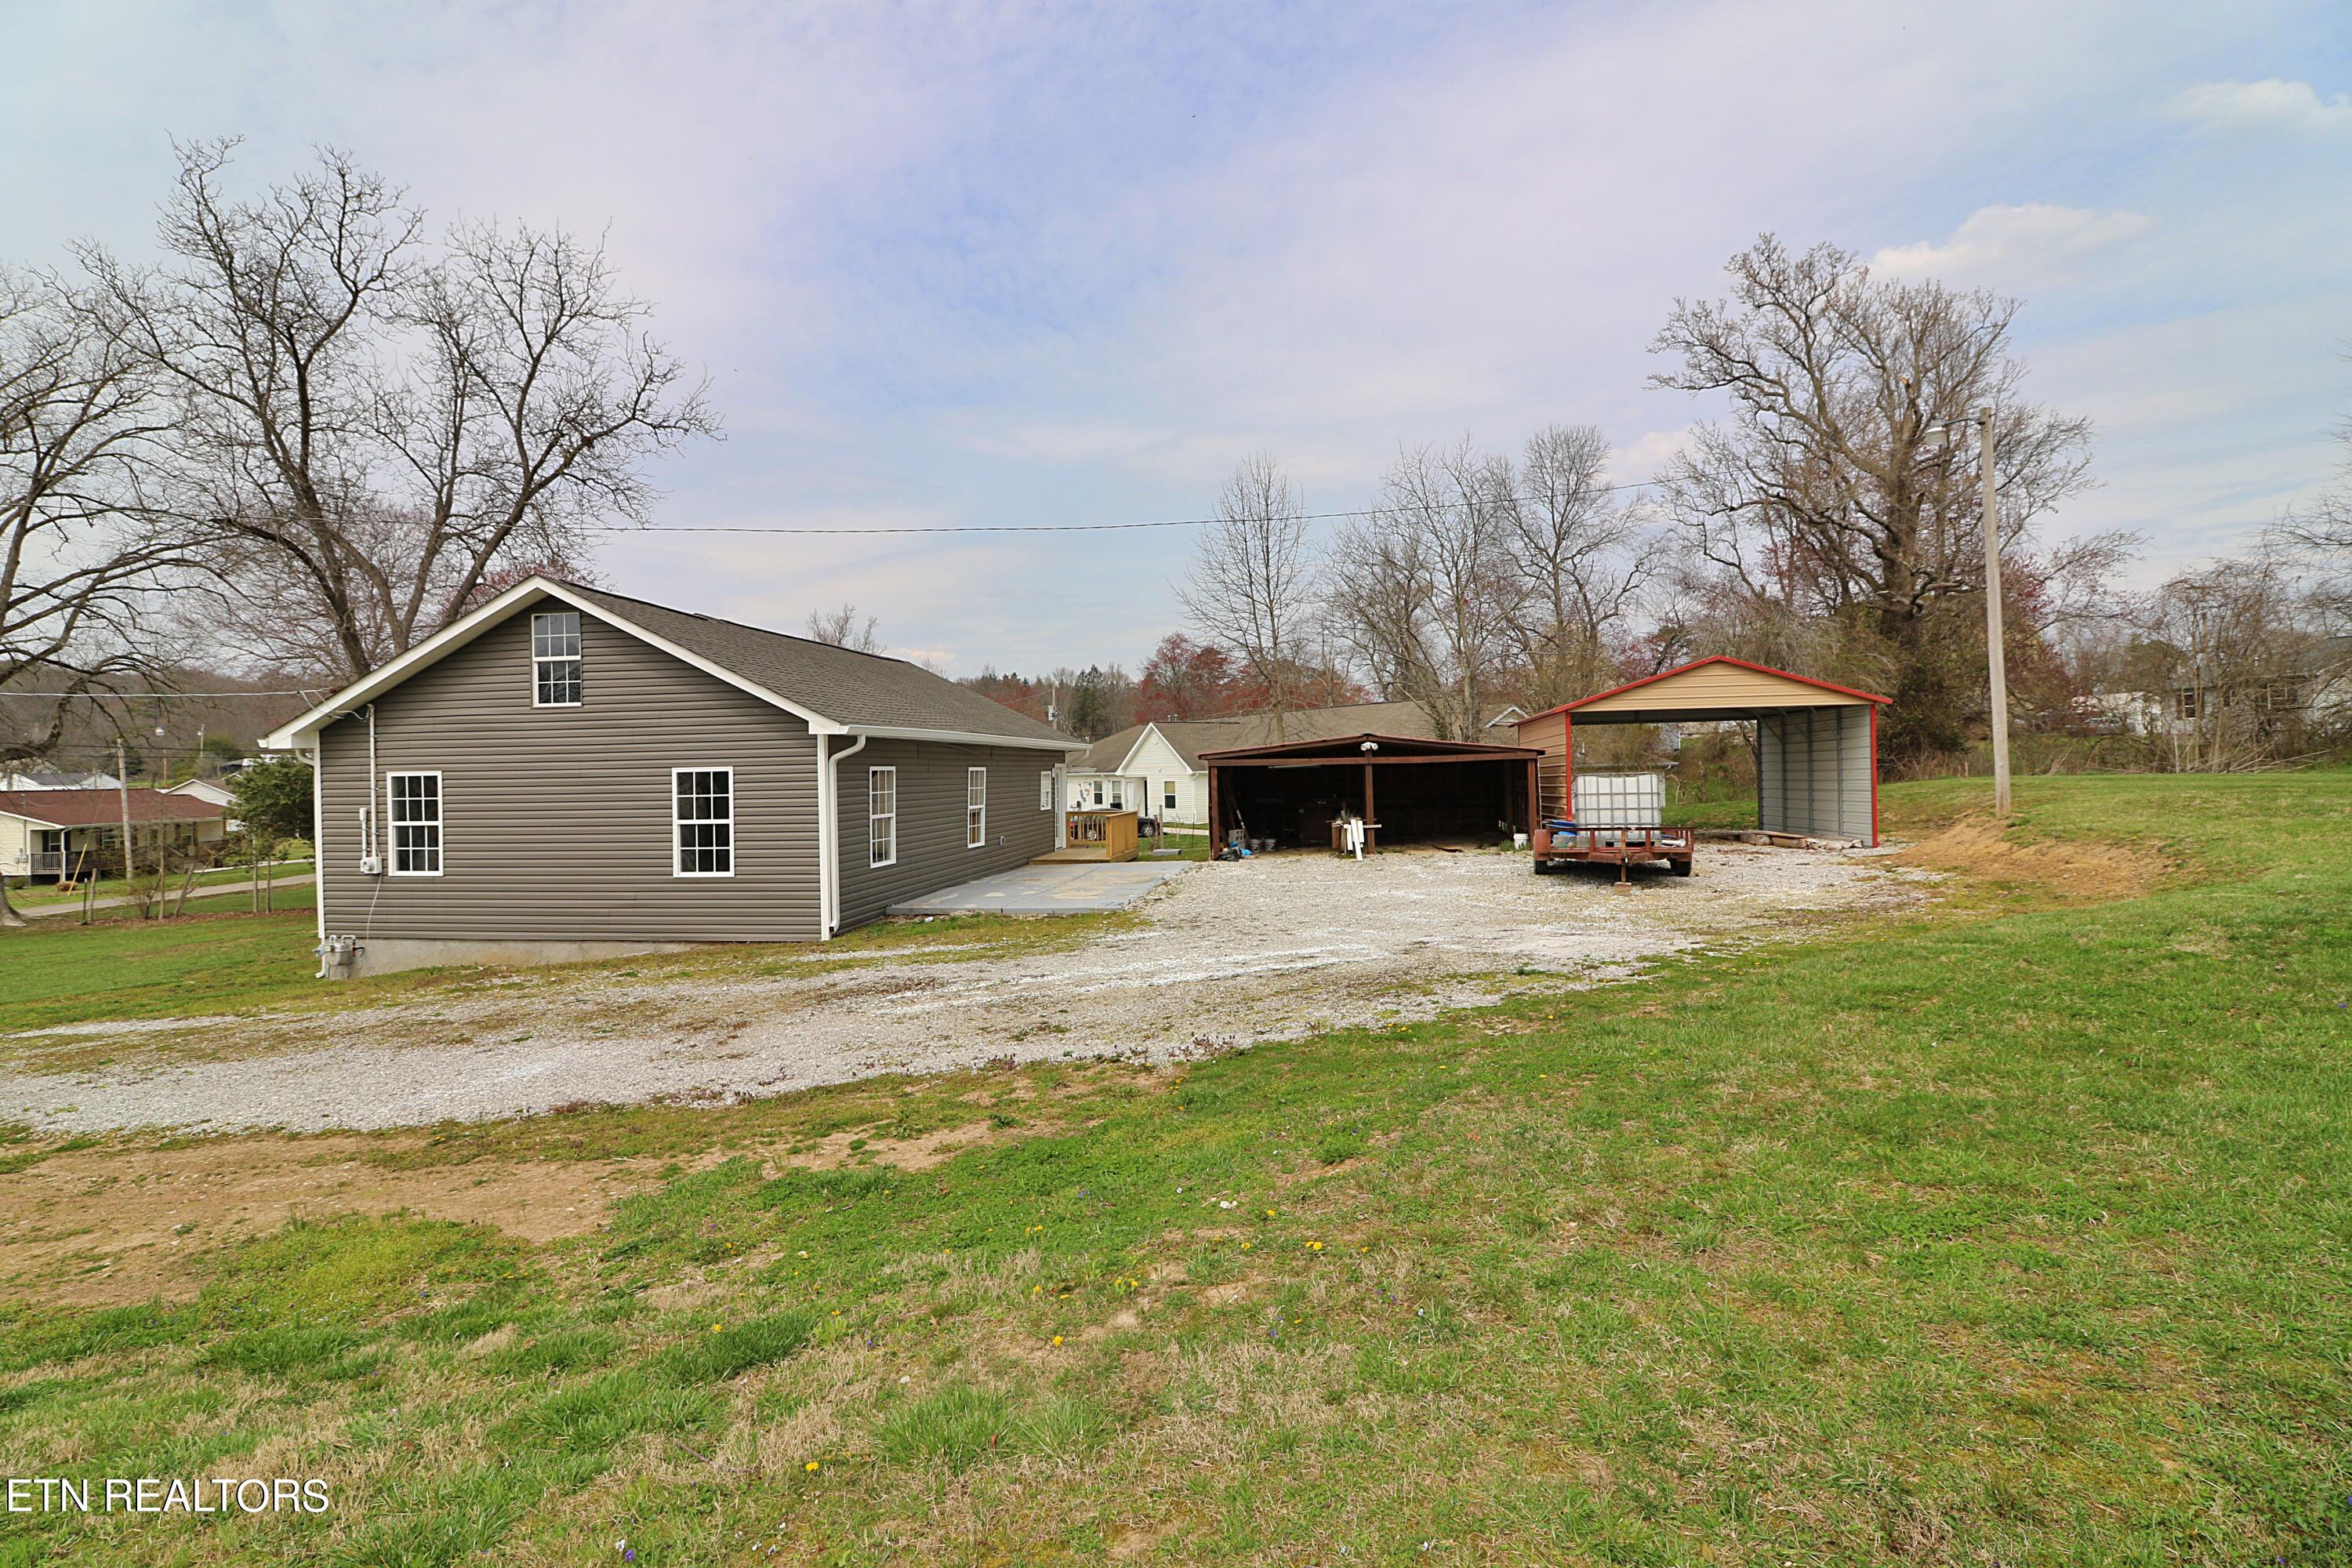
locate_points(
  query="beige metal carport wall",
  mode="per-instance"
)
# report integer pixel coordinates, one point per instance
(1817, 745)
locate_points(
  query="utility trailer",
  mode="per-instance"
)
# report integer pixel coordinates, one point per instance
(1616, 819)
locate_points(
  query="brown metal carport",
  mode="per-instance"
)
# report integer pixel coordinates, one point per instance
(1411, 789)
(1817, 745)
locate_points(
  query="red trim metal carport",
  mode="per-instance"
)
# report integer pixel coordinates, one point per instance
(1817, 742)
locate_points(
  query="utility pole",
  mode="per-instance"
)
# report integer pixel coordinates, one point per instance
(1996, 654)
(122, 793)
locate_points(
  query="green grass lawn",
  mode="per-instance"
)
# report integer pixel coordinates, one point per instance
(37, 894)
(57, 970)
(2015, 1232)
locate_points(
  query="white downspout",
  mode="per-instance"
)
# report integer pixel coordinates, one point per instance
(318, 759)
(829, 836)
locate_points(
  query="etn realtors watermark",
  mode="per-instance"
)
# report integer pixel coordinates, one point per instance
(191, 1494)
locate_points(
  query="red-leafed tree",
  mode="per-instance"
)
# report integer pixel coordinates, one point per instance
(1185, 679)
(1016, 693)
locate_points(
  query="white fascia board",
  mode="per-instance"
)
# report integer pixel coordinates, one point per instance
(1149, 731)
(304, 731)
(961, 738)
(41, 821)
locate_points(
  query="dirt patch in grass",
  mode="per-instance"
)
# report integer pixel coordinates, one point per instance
(2064, 871)
(115, 1224)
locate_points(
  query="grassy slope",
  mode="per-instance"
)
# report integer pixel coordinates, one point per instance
(2015, 1237)
(56, 971)
(40, 894)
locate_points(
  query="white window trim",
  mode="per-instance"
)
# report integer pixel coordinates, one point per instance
(581, 659)
(677, 851)
(1045, 790)
(392, 825)
(873, 816)
(975, 840)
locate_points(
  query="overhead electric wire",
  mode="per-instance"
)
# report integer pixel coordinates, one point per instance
(146, 696)
(1057, 527)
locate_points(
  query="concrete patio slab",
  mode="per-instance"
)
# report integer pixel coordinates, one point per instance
(1049, 891)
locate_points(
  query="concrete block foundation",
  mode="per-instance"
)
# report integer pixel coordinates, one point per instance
(385, 955)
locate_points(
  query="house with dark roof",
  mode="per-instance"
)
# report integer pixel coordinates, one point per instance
(56, 833)
(569, 772)
(1156, 767)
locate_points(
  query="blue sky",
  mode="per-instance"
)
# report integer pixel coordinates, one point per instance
(1043, 264)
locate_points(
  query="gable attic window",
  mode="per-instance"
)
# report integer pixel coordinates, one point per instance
(703, 821)
(555, 659)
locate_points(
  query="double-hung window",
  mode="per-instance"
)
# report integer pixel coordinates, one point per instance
(702, 818)
(881, 816)
(415, 800)
(1167, 798)
(975, 807)
(555, 659)
(1045, 790)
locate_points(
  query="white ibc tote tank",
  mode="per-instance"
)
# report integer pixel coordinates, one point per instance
(1618, 800)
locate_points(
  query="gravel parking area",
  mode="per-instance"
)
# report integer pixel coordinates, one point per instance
(1225, 955)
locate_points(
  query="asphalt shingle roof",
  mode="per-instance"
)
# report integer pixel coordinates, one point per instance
(103, 807)
(852, 687)
(1191, 737)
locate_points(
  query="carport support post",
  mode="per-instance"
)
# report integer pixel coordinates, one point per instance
(1535, 803)
(1368, 844)
(1216, 819)
(1567, 767)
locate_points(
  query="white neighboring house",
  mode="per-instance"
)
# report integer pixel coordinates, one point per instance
(53, 832)
(47, 778)
(213, 790)
(2318, 695)
(1156, 769)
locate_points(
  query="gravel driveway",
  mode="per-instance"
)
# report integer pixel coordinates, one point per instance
(1226, 955)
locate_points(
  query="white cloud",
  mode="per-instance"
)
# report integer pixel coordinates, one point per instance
(1062, 263)
(2273, 103)
(2009, 246)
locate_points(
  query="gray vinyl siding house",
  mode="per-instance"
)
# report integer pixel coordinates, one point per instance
(671, 793)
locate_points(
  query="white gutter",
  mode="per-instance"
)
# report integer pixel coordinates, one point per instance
(828, 834)
(964, 738)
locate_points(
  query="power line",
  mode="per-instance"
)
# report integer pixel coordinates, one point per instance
(142, 696)
(1060, 527)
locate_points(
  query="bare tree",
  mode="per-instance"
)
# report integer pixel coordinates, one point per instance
(376, 421)
(81, 554)
(1424, 591)
(840, 628)
(1251, 588)
(2230, 660)
(2319, 534)
(1821, 491)
(1579, 560)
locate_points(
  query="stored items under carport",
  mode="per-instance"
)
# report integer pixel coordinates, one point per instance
(1403, 790)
